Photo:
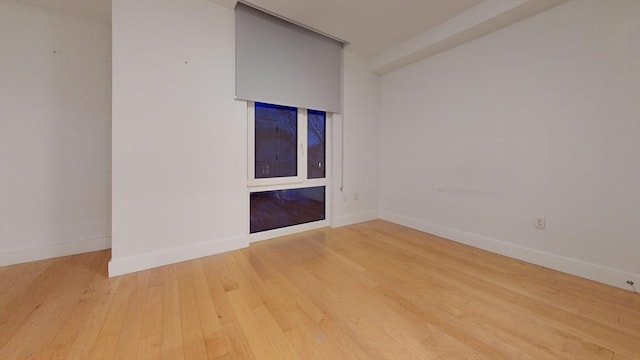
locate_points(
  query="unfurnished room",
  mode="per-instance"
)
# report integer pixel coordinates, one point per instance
(320, 179)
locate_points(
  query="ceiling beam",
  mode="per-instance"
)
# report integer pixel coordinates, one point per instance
(477, 21)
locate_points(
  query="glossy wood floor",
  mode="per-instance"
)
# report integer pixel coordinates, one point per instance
(369, 291)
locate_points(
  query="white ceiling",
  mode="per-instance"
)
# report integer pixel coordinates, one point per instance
(389, 33)
(369, 26)
(394, 33)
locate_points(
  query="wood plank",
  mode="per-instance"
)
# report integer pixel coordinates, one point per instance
(129, 339)
(213, 336)
(54, 305)
(107, 339)
(87, 301)
(88, 334)
(172, 346)
(151, 331)
(374, 290)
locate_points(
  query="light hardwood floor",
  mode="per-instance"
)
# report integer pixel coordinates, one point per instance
(369, 291)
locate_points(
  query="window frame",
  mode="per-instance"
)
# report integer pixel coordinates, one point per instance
(292, 182)
(324, 160)
(301, 151)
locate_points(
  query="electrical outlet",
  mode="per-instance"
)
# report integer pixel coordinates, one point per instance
(539, 222)
(355, 196)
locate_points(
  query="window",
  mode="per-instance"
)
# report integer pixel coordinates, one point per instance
(276, 141)
(276, 209)
(316, 140)
(286, 167)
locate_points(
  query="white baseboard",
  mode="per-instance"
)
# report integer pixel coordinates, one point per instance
(568, 265)
(35, 253)
(174, 255)
(354, 219)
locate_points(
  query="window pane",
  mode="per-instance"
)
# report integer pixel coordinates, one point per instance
(280, 208)
(276, 134)
(316, 138)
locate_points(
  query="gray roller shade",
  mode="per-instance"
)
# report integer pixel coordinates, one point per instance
(282, 63)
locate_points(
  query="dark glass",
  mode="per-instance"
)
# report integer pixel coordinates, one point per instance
(281, 208)
(276, 141)
(316, 140)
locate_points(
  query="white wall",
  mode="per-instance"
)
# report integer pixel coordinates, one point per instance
(361, 142)
(55, 117)
(541, 118)
(179, 138)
